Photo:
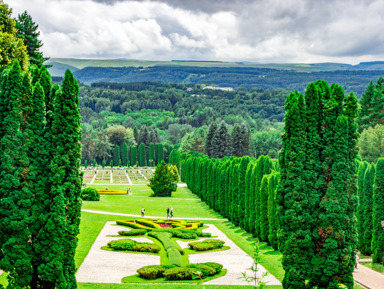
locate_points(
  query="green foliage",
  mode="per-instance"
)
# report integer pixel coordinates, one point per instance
(264, 221)
(206, 245)
(124, 154)
(90, 194)
(151, 272)
(116, 155)
(131, 245)
(221, 142)
(255, 279)
(133, 156)
(142, 161)
(317, 190)
(262, 142)
(175, 159)
(371, 143)
(133, 232)
(173, 250)
(371, 105)
(27, 30)
(183, 273)
(151, 154)
(378, 213)
(164, 180)
(273, 217)
(103, 164)
(240, 140)
(86, 164)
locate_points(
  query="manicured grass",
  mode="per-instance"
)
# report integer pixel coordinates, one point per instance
(131, 204)
(164, 286)
(374, 266)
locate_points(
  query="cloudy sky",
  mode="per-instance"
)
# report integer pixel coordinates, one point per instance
(348, 31)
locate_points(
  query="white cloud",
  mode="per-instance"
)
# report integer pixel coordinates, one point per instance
(262, 31)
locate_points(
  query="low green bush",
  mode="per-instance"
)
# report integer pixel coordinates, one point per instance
(181, 273)
(153, 271)
(174, 252)
(174, 256)
(204, 269)
(206, 245)
(214, 265)
(179, 233)
(131, 245)
(90, 194)
(203, 235)
(133, 232)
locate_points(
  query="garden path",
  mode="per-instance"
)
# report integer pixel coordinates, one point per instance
(235, 260)
(111, 177)
(129, 180)
(101, 266)
(152, 217)
(368, 278)
(94, 178)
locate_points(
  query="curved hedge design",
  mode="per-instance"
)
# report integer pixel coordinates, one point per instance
(151, 224)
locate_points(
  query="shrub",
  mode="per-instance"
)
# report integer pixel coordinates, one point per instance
(206, 245)
(90, 194)
(173, 251)
(214, 265)
(204, 269)
(203, 235)
(182, 273)
(134, 232)
(131, 245)
(151, 272)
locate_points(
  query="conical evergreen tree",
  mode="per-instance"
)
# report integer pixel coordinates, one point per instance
(360, 190)
(151, 154)
(208, 142)
(272, 210)
(366, 205)
(378, 213)
(124, 154)
(133, 156)
(142, 161)
(221, 143)
(116, 155)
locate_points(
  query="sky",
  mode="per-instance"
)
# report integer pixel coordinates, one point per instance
(277, 31)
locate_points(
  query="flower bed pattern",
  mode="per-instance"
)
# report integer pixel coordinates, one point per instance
(151, 224)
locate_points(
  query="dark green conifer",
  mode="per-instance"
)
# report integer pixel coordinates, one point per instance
(133, 156)
(208, 142)
(378, 213)
(124, 154)
(151, 154)
(366, 205)
(142, 162)
(116, 155)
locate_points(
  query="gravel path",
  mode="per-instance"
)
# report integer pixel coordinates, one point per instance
(102, 266)
(369, 278)
(234, 260)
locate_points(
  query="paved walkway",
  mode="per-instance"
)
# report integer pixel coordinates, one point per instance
(368, 278)
(152, 217)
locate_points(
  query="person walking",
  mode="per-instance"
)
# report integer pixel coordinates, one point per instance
(167, 212)
(171, 211)
(142, 211)
(357, 257)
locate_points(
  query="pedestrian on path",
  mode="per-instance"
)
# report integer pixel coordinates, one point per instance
(142, 211)
(167, 212)
(171, 211)
(357, 257)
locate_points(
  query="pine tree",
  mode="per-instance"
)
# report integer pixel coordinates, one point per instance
(240, 140)
(378, 213)
(116, 155)
(142, 161)
(144, 136)
(160, 152)
(366, 205)
(28, 31)
(208, 141)
(124, 154)
(221, 142)
(133, 156)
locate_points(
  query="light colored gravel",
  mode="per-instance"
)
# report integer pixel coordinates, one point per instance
(101, 266)
(234, 260)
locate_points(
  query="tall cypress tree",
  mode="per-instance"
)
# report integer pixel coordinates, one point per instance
(124, 154)
(378, 213)
(248, 195)
(208, 142)
(263, 218)
(160, 152)
(366, 205)
(133, 156)
(116, 155)
(241, 198)
(142, 162)
(359, 213)
(272, 210)
(151, 154)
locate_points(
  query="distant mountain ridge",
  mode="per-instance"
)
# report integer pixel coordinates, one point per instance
(225, 74)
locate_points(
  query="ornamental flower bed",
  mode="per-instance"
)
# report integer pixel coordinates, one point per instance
(152, 224)
(112, 192)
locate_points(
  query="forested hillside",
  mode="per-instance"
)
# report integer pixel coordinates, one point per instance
(351, 80)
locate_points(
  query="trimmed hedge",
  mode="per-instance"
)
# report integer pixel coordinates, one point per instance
(133, 232)
(174, 252)
(206, 245)
(151, 224)
(90, 194)
(203, 235)
(131, 245)
(131, 225)
(171, 272)
(179, 233)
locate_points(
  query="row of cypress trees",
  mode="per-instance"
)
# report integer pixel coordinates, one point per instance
(370, 211)
(40, 183)
(240, 189)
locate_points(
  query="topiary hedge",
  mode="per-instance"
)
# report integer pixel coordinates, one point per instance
(206, 245)
(131, 245)
(90, 194)
(171, 272)
(133, 232)
(174, 252)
